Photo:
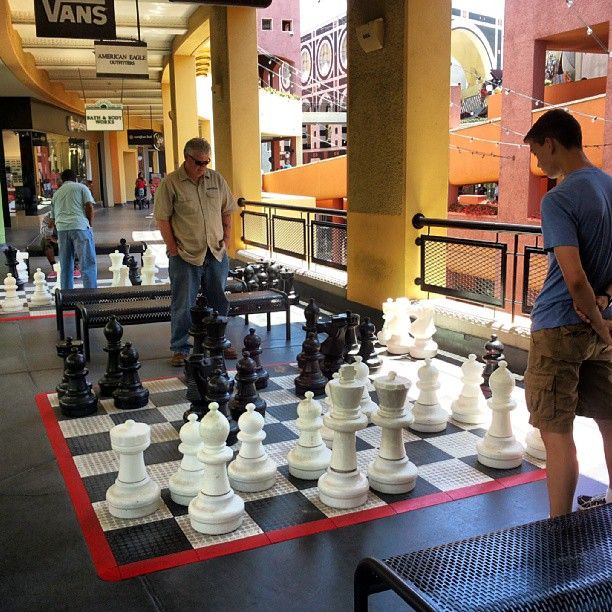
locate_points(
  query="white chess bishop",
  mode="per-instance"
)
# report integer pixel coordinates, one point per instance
(367, 405)
(252, 469)
(41, 295)
(342, 485)
(134, 494)
(499, 449)
(535, 445)
(391, 471)
(429, 416)
(309, 458)
(116, 265)
(470, 407)
(186, 482)
(12, 302)
(216, 509)
(422, 330)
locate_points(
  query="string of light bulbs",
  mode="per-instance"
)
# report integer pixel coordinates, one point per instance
(589, 29)
(495, 142)
(482, 154)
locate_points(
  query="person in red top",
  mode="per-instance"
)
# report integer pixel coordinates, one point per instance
(140, 189)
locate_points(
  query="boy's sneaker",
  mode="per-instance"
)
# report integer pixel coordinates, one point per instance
(51, 275)
(76, 273)
(586, 502)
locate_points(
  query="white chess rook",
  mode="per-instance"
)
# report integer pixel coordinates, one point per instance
(429, 416)
(149, 270)
(367, 405)
(124, 279)
(186, 482)
(391, 471)
(422, 330)
(309, 458)
(116, 265)
(12, 302)
(216, 509)
(499, 449)
(342, 485)
(134, 494)
(252, 470)
(470, 407)
(535, 444)
(41, 295)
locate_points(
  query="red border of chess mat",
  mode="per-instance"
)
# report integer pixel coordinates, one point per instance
(7, 319)
(108, 569)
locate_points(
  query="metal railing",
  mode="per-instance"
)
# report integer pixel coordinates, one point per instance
(312, 235)
(481, 270)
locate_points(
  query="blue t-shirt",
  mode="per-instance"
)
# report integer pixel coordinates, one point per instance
(68, 206)
(577, 212)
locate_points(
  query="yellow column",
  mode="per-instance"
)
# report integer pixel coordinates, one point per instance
(168, 137)
(398, 152)
(235, 107)
(184, 103)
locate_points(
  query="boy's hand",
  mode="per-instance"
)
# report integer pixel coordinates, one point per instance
(602, 303)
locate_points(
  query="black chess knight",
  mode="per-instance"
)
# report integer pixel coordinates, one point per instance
(112, 377)
(10, 253)
(334, 345)
(134, 271)
(130, 393)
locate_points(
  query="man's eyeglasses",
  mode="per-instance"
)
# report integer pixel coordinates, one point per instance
(199, 162)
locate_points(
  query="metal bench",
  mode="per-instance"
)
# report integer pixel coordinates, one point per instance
(135, 312)
(563, 563)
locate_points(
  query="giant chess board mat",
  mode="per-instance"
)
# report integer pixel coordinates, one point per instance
(447, 464)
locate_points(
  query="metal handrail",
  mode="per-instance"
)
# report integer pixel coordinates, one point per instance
(242, 202)
(419, 221)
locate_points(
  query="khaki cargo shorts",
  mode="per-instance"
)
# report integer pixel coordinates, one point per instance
(569, 372)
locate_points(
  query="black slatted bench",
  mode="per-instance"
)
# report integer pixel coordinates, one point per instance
(563, 563)
(135, 312)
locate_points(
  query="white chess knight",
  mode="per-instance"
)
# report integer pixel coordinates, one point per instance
(399, 341)
(41, 295)
(535, 445)
(134, 494)
(149, 270)
(326, 406)
(12, 302)
(116, 265)
(391, 471)
(367, 405)
(342, 485)
(470, 407)
(422, 330)
(388, 309)
(186, 482)
(499, 449)
(429, 416)
(309, 458)
(252, 470)
(216, 509)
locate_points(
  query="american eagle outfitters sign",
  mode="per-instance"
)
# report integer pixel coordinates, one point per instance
(104, 116)
(93, 19)
(127, 60)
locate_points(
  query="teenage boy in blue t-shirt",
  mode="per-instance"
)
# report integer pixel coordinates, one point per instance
(569, 370)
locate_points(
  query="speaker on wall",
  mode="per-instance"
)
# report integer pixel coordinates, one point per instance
(371, 35)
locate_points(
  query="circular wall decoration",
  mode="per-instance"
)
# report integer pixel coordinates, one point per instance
(343, 51)
(285, 76)
(324, 57)
(306, 65)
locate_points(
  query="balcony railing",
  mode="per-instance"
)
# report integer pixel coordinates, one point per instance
(483, 270)
(312, 235)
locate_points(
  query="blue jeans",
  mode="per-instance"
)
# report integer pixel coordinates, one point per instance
(80, 242)
(186, 280)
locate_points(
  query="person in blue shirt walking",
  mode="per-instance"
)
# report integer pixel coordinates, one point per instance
(569, 370)
(72, 211)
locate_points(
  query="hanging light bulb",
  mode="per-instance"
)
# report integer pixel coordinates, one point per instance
(569, 3)
(506, 91)
(589, 30)
(594, 119)
(538, 102)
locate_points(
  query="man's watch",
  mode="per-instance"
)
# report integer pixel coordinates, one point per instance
(609, 300)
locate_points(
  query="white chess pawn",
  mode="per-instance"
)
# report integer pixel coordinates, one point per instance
(342, 485)
(367, 406)
(535, 445)
(391, 471)
(216, 509)
(326, 406)
(471, 406)
(57, 268)
(429, 416)
(134, 494)
(399, 340)
(309, 458)
(149, 270)
(388, 308)
(186, 482)
(252, 469)
(499, 448)
(422, 330)
(116, 263)
(12, 302)
(41, 295)
(22, 268)
(124, 279)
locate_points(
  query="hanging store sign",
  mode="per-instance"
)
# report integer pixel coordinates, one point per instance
(94, 19)
(125, 59)
(39, 139)
(103, 116)
(145, 138)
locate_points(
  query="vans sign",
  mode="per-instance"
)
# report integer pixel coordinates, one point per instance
(93, 19)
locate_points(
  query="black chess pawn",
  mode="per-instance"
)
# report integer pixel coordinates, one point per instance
(134, 271)
(218, 390)
(287, 279)
(494, 353)
(78, 400)
(250, 278)
(124, 248)
(246, 392)
(11, 263)
(367, 337)
(333, 346)
(200, 312)
(130, 393)
(113, 333)
(64, 348)
(252, 343)
(311, 314)
(262, 277)
(310, 378)
(197, 370)
(351, 346)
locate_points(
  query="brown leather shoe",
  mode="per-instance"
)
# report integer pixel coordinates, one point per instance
(230, 353)
(178, 360)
